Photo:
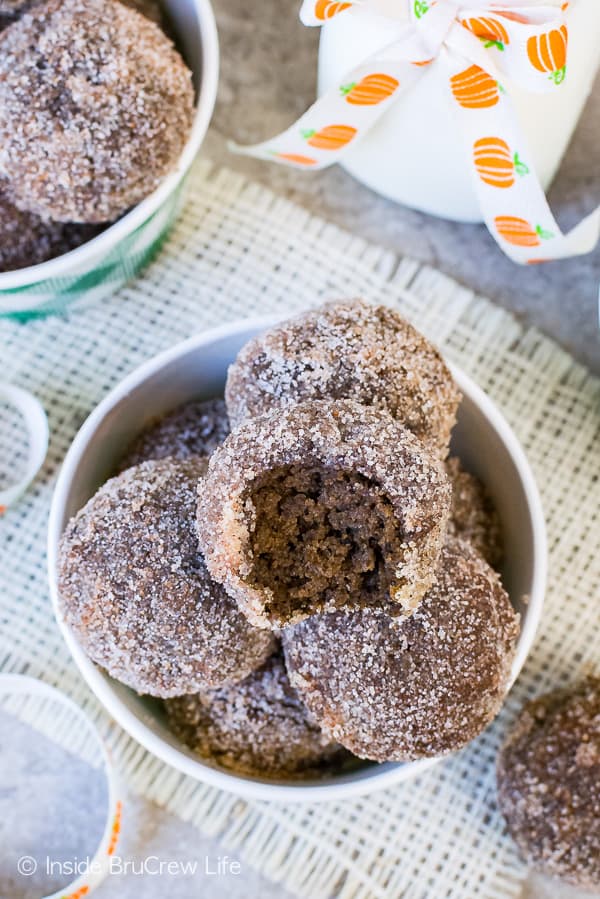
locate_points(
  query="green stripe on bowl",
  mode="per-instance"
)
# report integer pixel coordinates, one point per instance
(55, 295)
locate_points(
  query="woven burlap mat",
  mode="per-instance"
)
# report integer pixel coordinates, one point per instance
(237, 251)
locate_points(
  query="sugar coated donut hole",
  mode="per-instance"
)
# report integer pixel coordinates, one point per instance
(348, 350)
(134, 588)
(318, 505)
(256, 727)
(402, 688)
(95, 108)
(549, 783)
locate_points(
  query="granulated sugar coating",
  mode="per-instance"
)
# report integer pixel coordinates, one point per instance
(95, 108)
(473, 516)
(256, 727)
(26, 239)
(10, 8)
(549, 783)
(194, 429)
(134, 588)
(348, 350)
(410, 687)
(315, 506)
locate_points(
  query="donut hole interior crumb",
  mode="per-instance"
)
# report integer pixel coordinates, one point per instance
(321, 537)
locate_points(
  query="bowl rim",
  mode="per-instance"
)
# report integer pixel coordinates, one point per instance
(99, 682)
(136, 217)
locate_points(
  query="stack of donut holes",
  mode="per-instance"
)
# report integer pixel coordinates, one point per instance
(96, 105)
(299, 571)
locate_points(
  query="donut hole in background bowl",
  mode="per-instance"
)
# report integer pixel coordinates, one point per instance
(196, 369)
(101, 265)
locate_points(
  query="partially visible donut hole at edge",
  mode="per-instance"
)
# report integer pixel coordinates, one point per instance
(322, 538)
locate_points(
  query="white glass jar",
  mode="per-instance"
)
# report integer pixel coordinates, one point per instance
(414, 154)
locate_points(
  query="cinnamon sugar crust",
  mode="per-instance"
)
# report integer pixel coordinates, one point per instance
(549, 783)
(134, 588)
(348, 350)
(256, 727)
(320, 505)
(410, 687)
(95, 108)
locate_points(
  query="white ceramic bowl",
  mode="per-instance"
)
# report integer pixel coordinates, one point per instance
(100, 266)
(196, 369)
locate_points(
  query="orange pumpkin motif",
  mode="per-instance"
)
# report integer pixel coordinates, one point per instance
(548, 53)
(296, 158)
(519, 232)
(371, 90)
(116, 829)
(327, 9)
(332, 137)
(489, 30)
(78, 894)
(495, 163)
(475, 89)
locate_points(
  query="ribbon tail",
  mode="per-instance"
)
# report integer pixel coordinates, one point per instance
(511, 197)
(336, 121)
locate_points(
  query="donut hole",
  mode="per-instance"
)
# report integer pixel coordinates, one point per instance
(321, 537)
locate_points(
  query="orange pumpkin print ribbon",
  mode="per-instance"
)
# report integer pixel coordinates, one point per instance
(483, 45)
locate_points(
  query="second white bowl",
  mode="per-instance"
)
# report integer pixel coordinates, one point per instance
(100, 266)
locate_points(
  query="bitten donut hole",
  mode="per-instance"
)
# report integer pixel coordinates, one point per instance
(321, 538)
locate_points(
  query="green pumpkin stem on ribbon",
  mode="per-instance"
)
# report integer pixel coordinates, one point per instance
(420, 8)
(520, 167)
(346, 89)
(492, 43)
(543, 234)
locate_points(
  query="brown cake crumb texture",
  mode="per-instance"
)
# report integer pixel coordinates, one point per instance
(151, 9)
(95, 108)
(321, 505)
(549, 783)
(194, 429)
(410, 687)
(473, 516)
(134, 588)
(26, 239)
(348, 350)
(256, 727)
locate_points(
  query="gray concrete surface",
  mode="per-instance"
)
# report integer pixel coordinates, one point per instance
(268, 77)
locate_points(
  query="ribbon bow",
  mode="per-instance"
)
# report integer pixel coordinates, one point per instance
(479, 46)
